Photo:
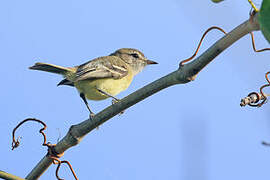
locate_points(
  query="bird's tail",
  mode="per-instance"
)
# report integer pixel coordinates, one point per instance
(51, 68)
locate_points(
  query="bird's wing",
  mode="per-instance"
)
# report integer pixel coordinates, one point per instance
(103, 67)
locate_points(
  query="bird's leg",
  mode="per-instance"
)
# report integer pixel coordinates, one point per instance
(115, 100)
(106, 94)
(86, 103)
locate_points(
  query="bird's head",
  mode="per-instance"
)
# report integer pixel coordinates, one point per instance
(134, 58)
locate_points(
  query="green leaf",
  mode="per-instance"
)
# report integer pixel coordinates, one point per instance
(264, 19)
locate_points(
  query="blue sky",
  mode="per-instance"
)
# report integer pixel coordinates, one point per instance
(191, 131)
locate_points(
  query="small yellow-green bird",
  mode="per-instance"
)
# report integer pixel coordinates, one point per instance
(101, 77)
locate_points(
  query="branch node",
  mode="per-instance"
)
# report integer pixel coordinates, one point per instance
(192, 78)
(72, 132)
(52, 152)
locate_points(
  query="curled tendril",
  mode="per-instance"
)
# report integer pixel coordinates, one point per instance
(52, 153)
(16, 143)
(199, 45)
(253, 98)
(58, 162)
(261, 90)
(253, 44)
(252, 13)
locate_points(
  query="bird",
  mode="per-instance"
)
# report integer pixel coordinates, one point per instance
(103, 77)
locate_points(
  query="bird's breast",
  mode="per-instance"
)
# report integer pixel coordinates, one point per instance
(109, 85)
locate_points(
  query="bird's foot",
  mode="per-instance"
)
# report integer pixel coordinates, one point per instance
(91, 116)
(114, 101)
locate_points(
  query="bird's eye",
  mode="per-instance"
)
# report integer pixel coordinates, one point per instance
(135, 55)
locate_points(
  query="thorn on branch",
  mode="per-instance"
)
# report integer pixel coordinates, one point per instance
(59, 136)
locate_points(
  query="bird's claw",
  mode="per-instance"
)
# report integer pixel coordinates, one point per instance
(91, 116)
(114, 101)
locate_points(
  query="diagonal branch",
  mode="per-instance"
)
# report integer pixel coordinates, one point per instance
(183, 75)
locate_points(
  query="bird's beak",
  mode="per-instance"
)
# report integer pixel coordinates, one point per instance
(151, 62)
